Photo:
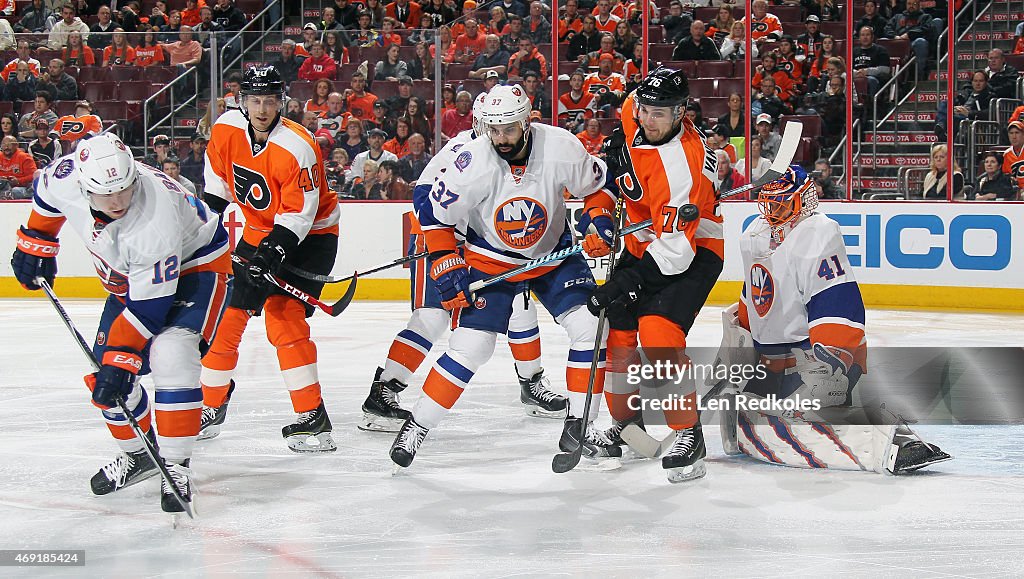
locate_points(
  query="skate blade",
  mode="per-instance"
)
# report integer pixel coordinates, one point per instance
(538, 412)
(311, 443)
(374, 423)
(209, 432)
(687, 473)
(936, 460)
(602, 464)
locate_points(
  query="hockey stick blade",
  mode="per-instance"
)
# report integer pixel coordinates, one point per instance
(644, 444)
(783, 159)
(147, 445)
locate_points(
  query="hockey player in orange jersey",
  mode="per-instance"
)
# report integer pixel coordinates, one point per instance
(272, 168)
(668, 270)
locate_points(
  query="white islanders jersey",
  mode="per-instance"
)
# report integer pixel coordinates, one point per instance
(513, 214)
(803, 291)
(165, 232)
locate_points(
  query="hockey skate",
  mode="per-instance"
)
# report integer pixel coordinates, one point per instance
(181, 475)
(917, 454)
(408, 441)
(685, 458)
(381, 410)
(595, 443)
(213, 417)
(539, 400)
(311, 432)
(124, 471)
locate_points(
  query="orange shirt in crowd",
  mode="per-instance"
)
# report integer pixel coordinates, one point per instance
(150, 56)
(122, 56)
(72, 128)
(593, 145)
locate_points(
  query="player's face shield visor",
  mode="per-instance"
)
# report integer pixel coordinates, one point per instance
(113, 204)
(262, 109)
(658, 122)
(508, 139)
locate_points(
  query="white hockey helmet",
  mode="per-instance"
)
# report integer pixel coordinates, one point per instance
(506, 105)
(105, 165)
(478, 105)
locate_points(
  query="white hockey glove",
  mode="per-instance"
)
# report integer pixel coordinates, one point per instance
(823, 374)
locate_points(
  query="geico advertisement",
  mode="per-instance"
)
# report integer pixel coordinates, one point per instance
(959, 244)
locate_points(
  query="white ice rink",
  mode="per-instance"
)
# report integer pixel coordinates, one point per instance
(481, 500)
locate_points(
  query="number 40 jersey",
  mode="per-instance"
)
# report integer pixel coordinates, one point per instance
(280, 182)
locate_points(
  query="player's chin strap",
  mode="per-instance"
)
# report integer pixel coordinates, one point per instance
(147, 444)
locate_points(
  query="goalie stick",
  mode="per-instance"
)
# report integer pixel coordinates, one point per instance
(637, 438)
(147, 445)
(330, 309)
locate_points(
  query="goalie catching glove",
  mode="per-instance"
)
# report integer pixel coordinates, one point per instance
(115, 377)
(35, 255)
(451, 274)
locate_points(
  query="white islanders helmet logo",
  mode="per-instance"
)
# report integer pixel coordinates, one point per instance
(521, 222)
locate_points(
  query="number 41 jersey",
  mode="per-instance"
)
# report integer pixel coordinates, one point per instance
(802, 292)
(277, 183)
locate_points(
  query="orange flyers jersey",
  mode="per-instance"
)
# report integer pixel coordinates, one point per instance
(279, 183)
(661, 179)
(72, 128)
(593, 146)
(769, 25)
(1013, 165)
(596, 85)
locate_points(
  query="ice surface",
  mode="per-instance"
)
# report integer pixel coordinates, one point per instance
(481, 500)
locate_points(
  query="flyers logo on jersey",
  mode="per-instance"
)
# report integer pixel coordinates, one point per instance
(521, 222)
(762, 289)
(1017, 170)
(251, 188)
(72, 127)
(628, 183)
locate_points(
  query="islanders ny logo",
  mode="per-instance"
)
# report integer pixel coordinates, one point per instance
(521, 222)
(762, 289)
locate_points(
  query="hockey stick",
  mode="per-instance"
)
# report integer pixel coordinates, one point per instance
(151, 451)
(650, 447)
(330, 309)
(566, 461)
(335, 279)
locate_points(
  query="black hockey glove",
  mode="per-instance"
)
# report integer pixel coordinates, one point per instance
(35, 255)
(627, 284)
(271, 253)
(115, 377)
(614, 149)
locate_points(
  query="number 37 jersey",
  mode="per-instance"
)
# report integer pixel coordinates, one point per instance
(802, 292)
(512, 213)
(280, 182)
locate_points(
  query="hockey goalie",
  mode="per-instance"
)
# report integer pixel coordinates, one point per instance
(800, 318)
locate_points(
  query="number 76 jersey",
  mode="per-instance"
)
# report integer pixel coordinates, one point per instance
(802, 292)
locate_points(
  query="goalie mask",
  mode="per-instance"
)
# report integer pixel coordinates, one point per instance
(783, 201)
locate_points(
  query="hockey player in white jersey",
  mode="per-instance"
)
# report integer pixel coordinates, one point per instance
(429, 321)
(801, 309)
(163, 257)
(507, 188)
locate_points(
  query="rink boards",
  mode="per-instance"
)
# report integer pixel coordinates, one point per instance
(934, 255)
